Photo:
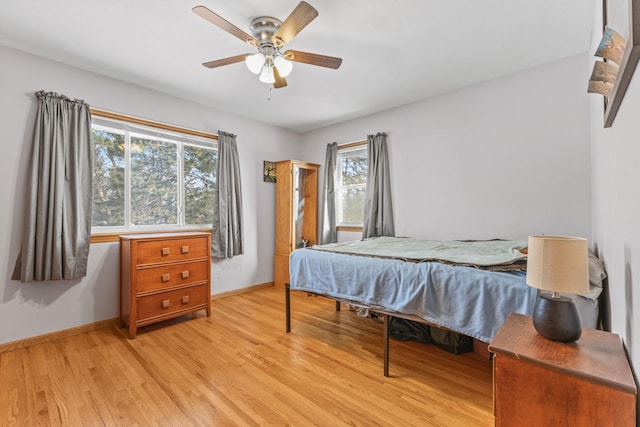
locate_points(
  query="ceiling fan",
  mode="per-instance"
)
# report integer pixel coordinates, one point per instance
(269, 37)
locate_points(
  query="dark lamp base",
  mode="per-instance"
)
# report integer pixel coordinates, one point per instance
(557, 319)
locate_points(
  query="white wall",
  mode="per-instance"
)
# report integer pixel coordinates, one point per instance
(37, 308)
(502, 159)
(616, 207)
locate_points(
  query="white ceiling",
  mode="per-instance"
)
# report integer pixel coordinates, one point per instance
(394, 52)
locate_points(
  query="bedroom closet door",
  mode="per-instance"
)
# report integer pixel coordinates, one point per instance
(296, 213)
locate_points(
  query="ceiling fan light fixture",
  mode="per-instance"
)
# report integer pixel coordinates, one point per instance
(255, 62)
(267, 76)
(269, 35)
(284, 66)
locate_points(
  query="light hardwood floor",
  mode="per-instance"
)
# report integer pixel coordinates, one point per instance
(239, 367)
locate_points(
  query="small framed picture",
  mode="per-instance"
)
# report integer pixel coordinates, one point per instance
(269, 171)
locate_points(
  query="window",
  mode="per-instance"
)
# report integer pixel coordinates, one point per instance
(148, 179)
(351, 183)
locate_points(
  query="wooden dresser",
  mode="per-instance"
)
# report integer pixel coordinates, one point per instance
(163, 276)
(538, 382)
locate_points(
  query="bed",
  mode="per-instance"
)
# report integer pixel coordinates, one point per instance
(469, 287)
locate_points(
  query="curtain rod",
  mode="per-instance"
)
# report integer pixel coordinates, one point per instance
(130, 119)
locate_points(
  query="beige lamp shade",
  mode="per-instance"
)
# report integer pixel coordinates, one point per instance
(558, 264)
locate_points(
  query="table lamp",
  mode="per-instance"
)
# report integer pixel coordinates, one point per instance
(557, 264)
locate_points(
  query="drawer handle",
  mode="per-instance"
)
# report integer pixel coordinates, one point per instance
(184, 249)
(166, 303)
(165, 277)
(185, 299)
(185, 274)
(166, 251)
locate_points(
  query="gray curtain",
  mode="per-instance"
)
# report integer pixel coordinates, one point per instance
(378, 213)
(57, 227)
(227, 236)
(328, 232)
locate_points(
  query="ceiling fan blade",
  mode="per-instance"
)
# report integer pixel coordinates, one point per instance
(222, 23)
(280, 81)
(295, 22)
(225, 61)
(313, 59)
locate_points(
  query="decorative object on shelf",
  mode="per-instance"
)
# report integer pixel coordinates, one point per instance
(269, 35)
(558, 264)
(603, 78)
(269, 171)
(611, 46)
(612, 80)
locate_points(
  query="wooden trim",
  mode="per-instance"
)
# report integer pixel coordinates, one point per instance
(104, 238)
(115, 237)
(299, 163)
(241, 290)
(52, 336)
(348, 228)
(352, 144)
(144, 122)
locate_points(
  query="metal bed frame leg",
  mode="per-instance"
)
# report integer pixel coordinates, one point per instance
(386, 344)
(287, 304)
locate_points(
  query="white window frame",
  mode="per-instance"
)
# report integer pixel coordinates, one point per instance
(166, 134)
(343, 151)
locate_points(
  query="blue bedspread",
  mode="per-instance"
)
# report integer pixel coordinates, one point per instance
(464, 299)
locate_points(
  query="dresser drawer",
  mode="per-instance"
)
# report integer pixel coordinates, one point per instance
(163, 275)
(170, 275)
(166, 303)
(170, 250)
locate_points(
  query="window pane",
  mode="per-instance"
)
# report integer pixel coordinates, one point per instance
(352, 181)
(352, 206)
(108, 178)
(137, 179)
(154, 182)
(354, 167)
(199, 176)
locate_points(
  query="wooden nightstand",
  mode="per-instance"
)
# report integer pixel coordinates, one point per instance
(538, 382)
